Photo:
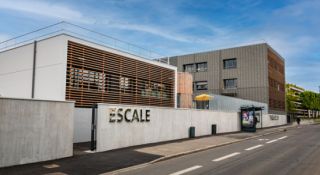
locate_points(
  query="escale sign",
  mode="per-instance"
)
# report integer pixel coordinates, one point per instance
(128, 115)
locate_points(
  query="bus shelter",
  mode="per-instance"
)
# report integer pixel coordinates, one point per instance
(249, 117)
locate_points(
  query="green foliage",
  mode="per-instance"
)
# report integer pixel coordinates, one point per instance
(310, 100)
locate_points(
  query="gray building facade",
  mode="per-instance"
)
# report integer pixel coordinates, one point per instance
(253, 72)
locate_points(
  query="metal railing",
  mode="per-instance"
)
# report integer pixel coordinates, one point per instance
(82, 33)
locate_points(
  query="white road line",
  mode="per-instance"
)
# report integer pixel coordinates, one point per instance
(225, 157)
(282, 137)
(254, 147)
(271, 141)
(186, 170)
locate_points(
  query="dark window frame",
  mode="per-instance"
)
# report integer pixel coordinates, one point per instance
(228, 86)
(201, 89)
(193, 67)
(204, 70)
(226, 66)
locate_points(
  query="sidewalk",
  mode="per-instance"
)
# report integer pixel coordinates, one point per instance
(110, 161)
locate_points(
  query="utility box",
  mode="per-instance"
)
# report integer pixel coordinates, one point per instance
(192, 132)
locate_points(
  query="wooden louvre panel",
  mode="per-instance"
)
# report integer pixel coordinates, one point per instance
(276, 79)
(97, 76)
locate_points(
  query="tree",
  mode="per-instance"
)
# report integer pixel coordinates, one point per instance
(311, 101)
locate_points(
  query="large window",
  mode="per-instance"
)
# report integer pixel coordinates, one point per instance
(230, 63)
(201, 85)
(202, 67)
(196, 67)
(230, 83)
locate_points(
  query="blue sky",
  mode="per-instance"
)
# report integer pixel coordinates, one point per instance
(172, 27)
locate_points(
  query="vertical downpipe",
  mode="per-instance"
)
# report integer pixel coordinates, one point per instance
(93, 128)
(34, 68)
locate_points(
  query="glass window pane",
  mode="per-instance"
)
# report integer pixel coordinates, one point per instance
(230, 63)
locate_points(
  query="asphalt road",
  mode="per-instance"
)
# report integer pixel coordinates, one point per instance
(295, 152)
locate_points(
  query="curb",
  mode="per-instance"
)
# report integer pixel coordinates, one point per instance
(190, 152)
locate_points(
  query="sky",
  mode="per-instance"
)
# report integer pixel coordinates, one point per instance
(175, 27)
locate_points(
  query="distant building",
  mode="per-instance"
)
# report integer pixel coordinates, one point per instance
(293, 92)
(254, 72)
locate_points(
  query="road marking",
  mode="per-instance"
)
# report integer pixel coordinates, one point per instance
(254, 147)
(226, 157)
(263, 139)
(186, 170)
(271, 141)
(282, 137)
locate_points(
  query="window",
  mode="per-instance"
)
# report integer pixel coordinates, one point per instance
(90, 80)
(189, 68)
(230, 83)
(230, 63)
(201, 85)
(196, 67)
(124, 83)
(202, 67)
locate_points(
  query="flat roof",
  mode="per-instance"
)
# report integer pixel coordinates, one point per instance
(242, 46)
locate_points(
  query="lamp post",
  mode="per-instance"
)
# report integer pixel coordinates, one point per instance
(319, 100)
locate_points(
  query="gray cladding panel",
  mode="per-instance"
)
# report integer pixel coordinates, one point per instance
(251, 68)
(251, 71)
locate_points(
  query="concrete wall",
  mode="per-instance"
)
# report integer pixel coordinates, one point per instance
(34, 130)
(82, 125)
(270, 120)
(165, 124)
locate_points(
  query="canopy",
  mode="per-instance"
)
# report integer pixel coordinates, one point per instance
(203, 97)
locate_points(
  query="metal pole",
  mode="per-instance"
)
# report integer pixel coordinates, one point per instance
(34, 68)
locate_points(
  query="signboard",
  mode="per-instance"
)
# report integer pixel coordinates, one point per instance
(247, 119)
(118, 115)
(274, 117)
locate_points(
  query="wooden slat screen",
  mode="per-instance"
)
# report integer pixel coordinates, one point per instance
(97, 76)
(276, 79)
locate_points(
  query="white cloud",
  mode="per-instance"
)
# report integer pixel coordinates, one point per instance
(4, 37)
(155, 30)
(46, 9)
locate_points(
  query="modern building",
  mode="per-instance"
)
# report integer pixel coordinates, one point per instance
(293, 95)
(254, 72)
(65, 67)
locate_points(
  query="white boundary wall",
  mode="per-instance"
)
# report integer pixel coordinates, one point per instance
(270, 120)
(35, 130)
(165, 124)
